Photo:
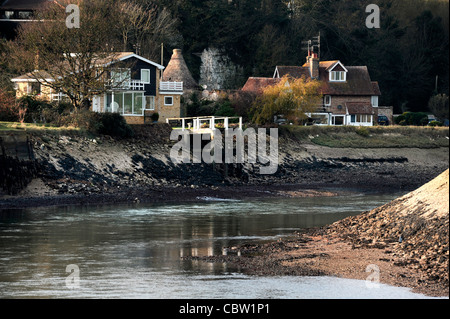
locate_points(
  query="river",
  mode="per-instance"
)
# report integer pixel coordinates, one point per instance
(134, 251)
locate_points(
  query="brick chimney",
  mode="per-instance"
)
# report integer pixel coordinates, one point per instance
(314, 65)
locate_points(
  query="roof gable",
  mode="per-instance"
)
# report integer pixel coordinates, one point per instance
(122, 56)
(338, 66)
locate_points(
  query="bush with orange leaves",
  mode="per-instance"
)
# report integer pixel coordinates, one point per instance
(290, 98)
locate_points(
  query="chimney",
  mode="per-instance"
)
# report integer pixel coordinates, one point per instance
(314, 65)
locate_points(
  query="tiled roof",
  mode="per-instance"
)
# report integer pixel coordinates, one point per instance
(358, 79)
(359, 108)
(293, 71)
(324, 64)
(256, 85)
(376, 88)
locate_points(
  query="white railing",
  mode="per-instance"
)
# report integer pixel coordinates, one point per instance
(137, 85)
(171, 86)
(58, 97)
(207, 122)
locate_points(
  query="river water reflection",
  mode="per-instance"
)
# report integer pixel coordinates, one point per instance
(134, 251)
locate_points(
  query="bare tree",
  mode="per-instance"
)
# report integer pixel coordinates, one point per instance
(71, 61)
(144, 28)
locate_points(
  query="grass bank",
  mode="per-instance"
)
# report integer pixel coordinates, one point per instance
(32, 127)
(370, 137)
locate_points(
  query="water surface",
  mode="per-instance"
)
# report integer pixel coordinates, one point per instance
(134, 251)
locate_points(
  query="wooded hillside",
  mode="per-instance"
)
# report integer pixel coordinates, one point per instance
(408, 55)
(405, 54)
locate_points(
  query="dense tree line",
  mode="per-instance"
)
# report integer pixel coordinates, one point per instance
(408, 54)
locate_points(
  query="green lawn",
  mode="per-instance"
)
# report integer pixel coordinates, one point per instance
(370, 137)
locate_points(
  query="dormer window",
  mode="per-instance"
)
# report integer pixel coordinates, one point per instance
(338, 76)
(338, 72)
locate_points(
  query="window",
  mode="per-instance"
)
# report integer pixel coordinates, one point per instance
(150, 103)
(168, 100)
(120, 78)
(138, 105)
(375, 101)
(363, 118)
(25, 14)
(338, 120)
(327, 100)
(128, 103)
(145, 76)
(9, 14)
(353, 119)
(338, 76)
(34, 88)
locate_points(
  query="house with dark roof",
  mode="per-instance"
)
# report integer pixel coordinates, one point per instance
(134, 88)
(350, 97)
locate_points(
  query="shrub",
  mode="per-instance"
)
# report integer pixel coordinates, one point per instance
(9, 111)
(435, 123)
(224, 108)
(34, 107)
(112, 124)
(363, 131)
(155, 117)
(412, 118)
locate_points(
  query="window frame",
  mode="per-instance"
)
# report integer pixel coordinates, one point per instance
(335, 78)
(121, 109)
(168, 97)
(374, 100)
(142, 76)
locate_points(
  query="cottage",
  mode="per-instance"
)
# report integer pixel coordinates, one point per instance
(349, 95)
(135, 91)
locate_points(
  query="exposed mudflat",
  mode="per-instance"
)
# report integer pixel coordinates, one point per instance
(405, 242)
(78, 169)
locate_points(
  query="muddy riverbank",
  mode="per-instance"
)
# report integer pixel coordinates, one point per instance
(403, 243)
(76, 168)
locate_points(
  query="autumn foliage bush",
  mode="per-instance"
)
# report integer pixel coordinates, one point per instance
(9, 109)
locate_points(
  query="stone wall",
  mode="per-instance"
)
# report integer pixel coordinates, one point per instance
(388, 111)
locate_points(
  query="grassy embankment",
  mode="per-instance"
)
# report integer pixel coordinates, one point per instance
(31, 127)
(331, 136)
(370, 137)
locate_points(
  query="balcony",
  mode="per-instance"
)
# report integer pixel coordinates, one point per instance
(137, 85)
(171, 86)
